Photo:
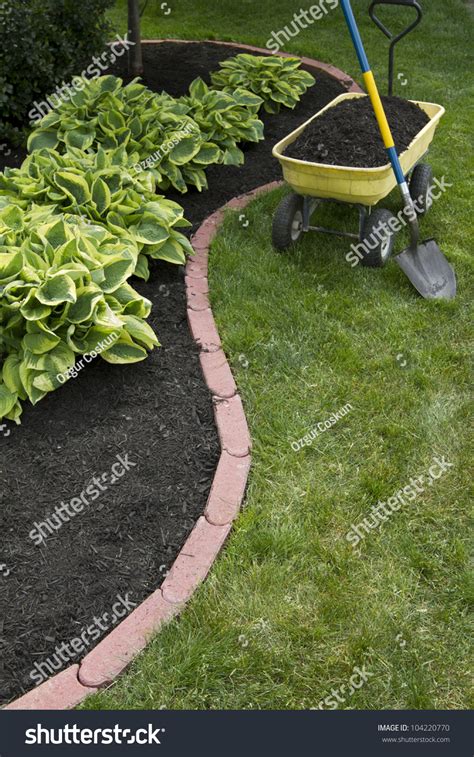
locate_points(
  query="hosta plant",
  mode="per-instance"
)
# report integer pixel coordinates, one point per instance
(109, 115)
(278, 81)
(102, 188)
(224, 119)
(63, 293)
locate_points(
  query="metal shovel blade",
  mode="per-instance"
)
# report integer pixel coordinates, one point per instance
(428, 270)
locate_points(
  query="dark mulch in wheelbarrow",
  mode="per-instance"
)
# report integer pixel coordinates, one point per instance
(348, 134)
(157, 412)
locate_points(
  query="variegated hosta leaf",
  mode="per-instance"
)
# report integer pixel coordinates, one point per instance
(11, 264)
(140, 331)
(11, 376)
(8, 400)
(56, 290)
(83, 309)
(40, 342)
(151, 230)
(124, 350)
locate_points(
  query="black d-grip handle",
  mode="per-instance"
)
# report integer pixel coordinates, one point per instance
(394, 38)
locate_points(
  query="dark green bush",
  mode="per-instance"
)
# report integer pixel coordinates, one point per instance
(44, 42)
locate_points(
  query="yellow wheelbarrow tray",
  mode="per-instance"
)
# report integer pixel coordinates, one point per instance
(358, 186)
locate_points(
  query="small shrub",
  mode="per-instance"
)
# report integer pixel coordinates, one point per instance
(43, 43)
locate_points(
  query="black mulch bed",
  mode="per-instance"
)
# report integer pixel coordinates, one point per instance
(348, 134)
(158, 412)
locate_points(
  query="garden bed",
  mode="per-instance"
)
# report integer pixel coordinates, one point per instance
(158, 413)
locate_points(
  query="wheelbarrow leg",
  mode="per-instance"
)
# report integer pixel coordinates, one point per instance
(309, 206)
(363, 213)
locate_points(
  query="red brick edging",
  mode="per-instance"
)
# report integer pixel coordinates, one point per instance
(113, 654)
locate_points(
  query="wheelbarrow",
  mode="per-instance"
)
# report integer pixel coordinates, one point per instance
(363, 188)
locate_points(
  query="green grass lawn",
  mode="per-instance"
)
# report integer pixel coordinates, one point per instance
(290, 608)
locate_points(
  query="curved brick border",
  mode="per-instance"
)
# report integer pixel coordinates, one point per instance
(114, 653)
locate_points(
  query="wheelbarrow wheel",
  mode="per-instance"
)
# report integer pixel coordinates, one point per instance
(378, 238)
(288, 222)
(420, 183)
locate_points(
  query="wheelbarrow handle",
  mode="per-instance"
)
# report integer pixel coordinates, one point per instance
(394, 38)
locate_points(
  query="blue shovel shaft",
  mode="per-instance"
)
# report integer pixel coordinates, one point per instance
(373, 93)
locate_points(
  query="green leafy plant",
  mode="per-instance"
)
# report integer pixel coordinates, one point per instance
(106, 114)
(224, 119)
(101, 188)
(63, 291)
(278, 81)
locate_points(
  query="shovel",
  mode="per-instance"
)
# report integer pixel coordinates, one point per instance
(422, 262)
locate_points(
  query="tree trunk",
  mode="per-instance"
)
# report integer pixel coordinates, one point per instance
(135, 62)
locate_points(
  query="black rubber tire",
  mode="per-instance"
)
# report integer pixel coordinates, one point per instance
(288, 222)
(380, 254)
(420, 183)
